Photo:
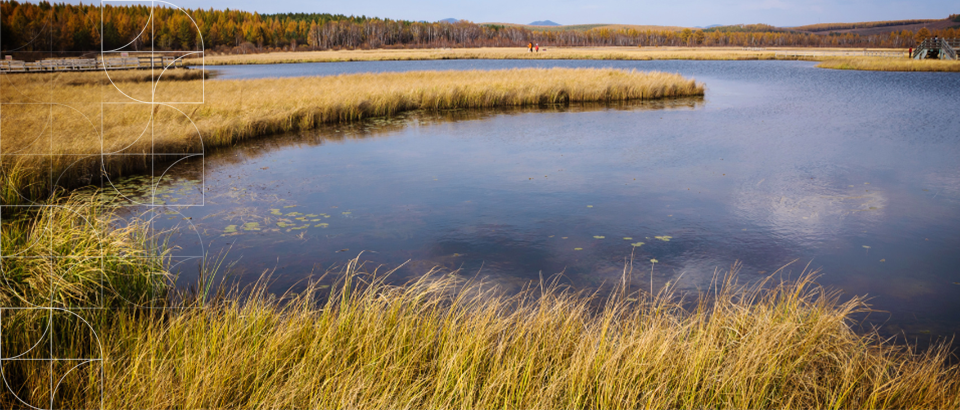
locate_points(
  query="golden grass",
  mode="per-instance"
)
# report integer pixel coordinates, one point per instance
(501, 53)
(497, 53)
(76, 252)
(44, 145)
(444, 341)
(890, 64)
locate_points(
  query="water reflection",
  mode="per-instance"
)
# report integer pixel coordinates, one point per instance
(776, 166)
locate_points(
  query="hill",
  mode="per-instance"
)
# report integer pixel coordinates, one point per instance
(585, 27)
(543, 23)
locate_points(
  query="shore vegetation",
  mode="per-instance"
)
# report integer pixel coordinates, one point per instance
(126, 126)
(890, 64)
(448, 340)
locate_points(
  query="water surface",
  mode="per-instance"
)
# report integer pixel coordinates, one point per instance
(855, 173)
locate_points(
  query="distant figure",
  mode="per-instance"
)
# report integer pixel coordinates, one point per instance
(910, 53)
(538, 47)
(530, 46)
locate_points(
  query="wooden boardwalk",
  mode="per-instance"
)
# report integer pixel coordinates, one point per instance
(91, 64)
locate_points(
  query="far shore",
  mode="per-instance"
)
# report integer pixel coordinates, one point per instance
(826, 55)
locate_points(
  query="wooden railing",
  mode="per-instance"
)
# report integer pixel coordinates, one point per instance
(89, 64)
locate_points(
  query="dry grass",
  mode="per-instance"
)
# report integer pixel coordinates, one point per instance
(44, 145)
(890, 64)
(505, 53)
(546, 53)
(446, 342)
(75, 252)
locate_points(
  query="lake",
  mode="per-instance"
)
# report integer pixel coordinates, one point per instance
(853, 173)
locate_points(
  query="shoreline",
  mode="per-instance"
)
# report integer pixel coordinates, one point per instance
(237, 110)
(577, 53)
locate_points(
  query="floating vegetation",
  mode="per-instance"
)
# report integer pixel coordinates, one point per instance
(346, 213)
(283, 224)
(230, 229)
(598, 237)
(293, 214)
(654, 261)
(627, 238)
(589, 206)
(665, 238)
(636, 244)
(322, 225)
(251, 226)
(301, 227)
(275, 211)
(289, 206)
(578, 249)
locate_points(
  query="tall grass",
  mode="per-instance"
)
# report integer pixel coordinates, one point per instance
(76, 253)
(439, 342)
(72, 133)
(447, 341)
(887, 64)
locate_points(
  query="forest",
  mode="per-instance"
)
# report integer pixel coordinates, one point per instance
(50, 27)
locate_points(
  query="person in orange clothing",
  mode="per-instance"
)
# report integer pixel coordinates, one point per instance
(530, 46)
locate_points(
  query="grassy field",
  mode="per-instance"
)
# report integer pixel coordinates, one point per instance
(547, 53)
(890, 64)
(45, 145)
(447, 341)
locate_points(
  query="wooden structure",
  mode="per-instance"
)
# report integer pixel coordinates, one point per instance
(941, 48)
(89, 64)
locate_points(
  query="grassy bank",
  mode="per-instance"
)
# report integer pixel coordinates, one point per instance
(495, 53)
(510, 53)
(890, 64)
(445, 341)
(72, 134)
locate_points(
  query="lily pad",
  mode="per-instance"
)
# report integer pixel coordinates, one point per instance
(627, 238)
(637, 244)
(654, 261)
(294, 214)
(275, 211)
(289, 206)
(578, 249)
(251, 226)
(322, 225)
(283, 224)
(665, 238)
(230, 229)
(598, 237)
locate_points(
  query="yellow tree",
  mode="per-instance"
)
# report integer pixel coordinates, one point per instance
(923, 34)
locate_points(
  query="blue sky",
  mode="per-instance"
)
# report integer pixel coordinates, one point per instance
(679, 13)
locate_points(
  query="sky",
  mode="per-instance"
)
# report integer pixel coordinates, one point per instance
(688, 13)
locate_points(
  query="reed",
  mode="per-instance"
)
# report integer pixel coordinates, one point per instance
(444, 341)
(76, 253)
(888, 64)
(47, 145)
(496, 53)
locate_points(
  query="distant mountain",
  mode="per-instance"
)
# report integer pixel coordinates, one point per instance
(543, 23)
(450, 20)
(710, 26)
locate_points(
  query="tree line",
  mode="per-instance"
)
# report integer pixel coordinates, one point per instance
(64, 27)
